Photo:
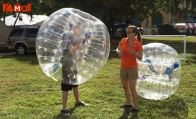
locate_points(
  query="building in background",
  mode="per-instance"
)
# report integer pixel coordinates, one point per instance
(188, 19)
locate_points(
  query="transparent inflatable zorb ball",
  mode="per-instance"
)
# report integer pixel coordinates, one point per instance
(159, 72)
(72, 46)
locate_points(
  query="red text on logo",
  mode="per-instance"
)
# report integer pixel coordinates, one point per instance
(17, 8)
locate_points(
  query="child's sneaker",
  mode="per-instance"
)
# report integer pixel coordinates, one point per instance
(81, 103)
(65, 112)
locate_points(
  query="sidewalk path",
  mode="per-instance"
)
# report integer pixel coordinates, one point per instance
(6, 54)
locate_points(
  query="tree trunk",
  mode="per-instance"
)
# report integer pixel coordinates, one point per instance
(4, 12)
(111, 26)
(16, 19)
(4, 17)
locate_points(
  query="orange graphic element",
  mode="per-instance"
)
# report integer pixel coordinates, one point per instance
(17, 8)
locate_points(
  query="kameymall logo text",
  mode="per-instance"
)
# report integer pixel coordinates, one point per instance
(17, 8)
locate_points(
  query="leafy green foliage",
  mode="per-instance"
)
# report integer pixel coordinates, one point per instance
(115, 11)
(109, 11)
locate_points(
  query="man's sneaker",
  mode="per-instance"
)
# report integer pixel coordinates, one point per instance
(133, 111)
(65, 112)
(81, 103)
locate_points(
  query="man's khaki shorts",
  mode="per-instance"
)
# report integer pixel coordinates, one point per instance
(130, 74)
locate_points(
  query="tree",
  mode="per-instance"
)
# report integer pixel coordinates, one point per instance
(175, 6)
(109, 11)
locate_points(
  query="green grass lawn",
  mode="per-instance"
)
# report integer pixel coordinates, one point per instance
(27, 93)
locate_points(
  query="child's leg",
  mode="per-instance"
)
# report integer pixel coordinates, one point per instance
(64, 97)
(76, 95)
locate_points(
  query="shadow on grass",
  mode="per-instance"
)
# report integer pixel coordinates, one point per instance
(174, 107)
(4, 50)
(61, 116)
(30, 58)
(191, 59)
(126, 115)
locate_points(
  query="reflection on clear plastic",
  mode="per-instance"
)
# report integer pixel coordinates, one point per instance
(159, 72)
(72, 46)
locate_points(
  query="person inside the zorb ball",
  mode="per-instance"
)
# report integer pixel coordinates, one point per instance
(130, 49)
(71, 43)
